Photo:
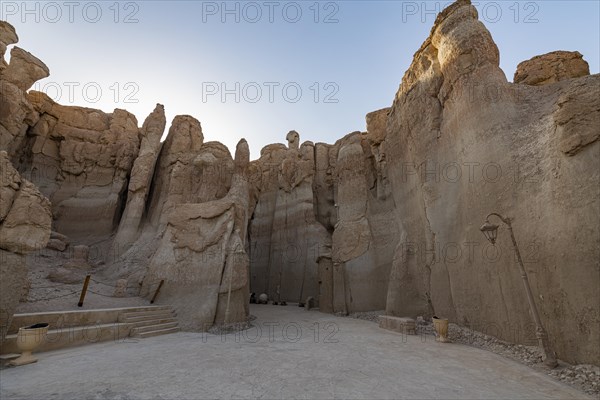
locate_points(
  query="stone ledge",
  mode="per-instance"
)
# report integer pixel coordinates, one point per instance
(398, 324)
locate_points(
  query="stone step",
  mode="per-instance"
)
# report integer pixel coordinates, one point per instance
(139, 317)
(406, 326)
(60, 319)
(150, 328)
(73, 336)
(152, 322)
(157, 333)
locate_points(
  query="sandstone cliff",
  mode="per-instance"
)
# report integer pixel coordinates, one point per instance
(463, 142)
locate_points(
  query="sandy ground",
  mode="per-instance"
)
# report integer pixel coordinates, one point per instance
(288, 353)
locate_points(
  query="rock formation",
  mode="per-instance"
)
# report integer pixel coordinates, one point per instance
(383, 219)
(25, 221)
(141, 177)
(552, 67)
(285, 236)
(463, 142)
(202, 257)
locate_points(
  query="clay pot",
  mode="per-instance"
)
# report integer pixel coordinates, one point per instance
(441, 329)
(30, 338)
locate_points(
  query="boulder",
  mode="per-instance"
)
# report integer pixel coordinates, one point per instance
(24, 69)
(551, 67)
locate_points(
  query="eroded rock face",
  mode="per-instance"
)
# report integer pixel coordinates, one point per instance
(445, 136)
(551, 67)
(17, 115)
(141, 177)
(202, 257)
(25, 221)
(81, 158)
(24, 69)
(8, 36)
(188, 170)
(25, 217)
(285, 236)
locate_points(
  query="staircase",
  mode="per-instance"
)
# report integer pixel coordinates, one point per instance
(147, 323)
(82, 327)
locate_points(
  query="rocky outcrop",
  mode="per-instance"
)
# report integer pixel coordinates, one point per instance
(24, 212)
(17, 114)
(8, 36)
(81, 158)
(365, 232)
(188, 170)
(202, 257)
(285, 236)
(24, 69)
(25, 221)
(551, 67)
(141, 177)
(455, 153)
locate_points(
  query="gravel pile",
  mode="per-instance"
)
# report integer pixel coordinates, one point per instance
(372, 316)
(583, 376)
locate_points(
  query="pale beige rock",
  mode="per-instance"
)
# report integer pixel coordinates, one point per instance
(377, 125)
(551, 67)
(17, 116)
(57, 241)
(202, 257)
(8, 36)
(13, 276)
(25, 221)
(285, 236)
(542, 140)
(139, 182)
(56, 244)
(27, 218)
(176, 176)
(81, 159)
(24, 69)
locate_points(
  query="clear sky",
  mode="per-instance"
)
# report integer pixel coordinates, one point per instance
(259, 69)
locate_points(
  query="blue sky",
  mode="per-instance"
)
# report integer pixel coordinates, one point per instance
(259, 69)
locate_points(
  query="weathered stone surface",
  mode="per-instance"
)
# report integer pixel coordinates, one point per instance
(202, 256)
(285, 236)
(57, 241)
(188, 170)
(80, 158)
(551, 67)
(8, 35)
(17, 114)
(13, 276)
(25, 213)
(24, 69)
(402, 325)
(445, 135)
(577, 116)
(56, 244)
(141, 176)
(25, 221)
(377, 125)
